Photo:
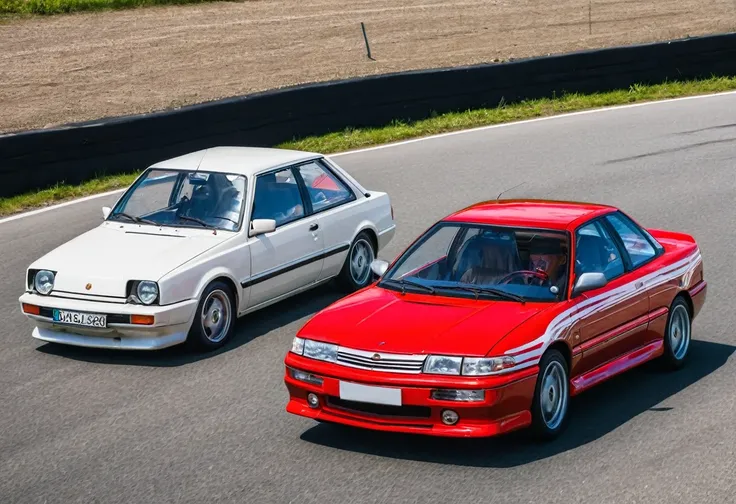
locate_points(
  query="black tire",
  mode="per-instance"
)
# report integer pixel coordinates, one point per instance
(545, 428)
(201, 337)
(677, 348)
(363, 245)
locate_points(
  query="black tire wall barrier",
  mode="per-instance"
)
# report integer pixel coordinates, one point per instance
(75, 153)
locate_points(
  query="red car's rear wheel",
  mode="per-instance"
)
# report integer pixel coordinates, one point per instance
(677, 334)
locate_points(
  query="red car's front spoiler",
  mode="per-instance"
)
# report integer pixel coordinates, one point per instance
(505, 408)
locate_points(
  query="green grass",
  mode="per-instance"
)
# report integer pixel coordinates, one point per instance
(356, 138)
(48, 7)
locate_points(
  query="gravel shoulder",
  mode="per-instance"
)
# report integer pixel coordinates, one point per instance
(78, 67)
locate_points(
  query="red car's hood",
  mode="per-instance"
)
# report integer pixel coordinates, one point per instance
(377, 319)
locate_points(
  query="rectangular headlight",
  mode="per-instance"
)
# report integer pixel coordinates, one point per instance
(297, 346)
(320, 351)
(459, 395)
(442, 364)
(473, 366)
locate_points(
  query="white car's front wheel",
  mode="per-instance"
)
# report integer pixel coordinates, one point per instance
(214, 321)
(356, 272)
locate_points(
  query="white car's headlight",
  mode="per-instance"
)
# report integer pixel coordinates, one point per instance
(442, 364)
(44, 281)
(147, 292)
(320, 351)
(473, 366)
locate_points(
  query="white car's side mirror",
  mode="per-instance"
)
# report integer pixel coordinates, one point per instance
(106, 212)
(262, 226)
(379, 267)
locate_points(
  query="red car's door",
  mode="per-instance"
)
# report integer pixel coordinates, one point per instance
(610, 320)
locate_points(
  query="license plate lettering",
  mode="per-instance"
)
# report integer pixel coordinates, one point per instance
(80, 319)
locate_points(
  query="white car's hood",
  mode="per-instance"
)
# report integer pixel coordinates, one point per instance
(112, 254)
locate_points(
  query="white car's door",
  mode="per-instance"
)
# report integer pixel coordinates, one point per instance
(338, 209)
(290, 257)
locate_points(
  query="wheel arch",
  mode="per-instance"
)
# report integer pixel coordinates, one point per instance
(371, 232)
(220, 275)
(562, 347)
(688, 301)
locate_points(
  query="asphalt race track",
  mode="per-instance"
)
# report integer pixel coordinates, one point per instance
(97, 426)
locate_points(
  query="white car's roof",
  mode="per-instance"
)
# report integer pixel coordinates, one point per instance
(241, 160)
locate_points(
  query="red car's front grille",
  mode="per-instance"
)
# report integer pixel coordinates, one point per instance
(380, 410)
(387, 362)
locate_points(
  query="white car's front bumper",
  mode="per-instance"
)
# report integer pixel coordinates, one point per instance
(170, 326)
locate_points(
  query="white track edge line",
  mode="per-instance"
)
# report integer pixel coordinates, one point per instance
(413, 140)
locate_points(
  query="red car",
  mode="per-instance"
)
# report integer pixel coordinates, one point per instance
(494, 317)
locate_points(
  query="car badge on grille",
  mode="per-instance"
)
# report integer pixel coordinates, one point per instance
(376, 357)
(88, 286)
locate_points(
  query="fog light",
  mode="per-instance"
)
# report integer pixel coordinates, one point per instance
(459, 395)
(312, 400)
(449, 417)
(305, 377)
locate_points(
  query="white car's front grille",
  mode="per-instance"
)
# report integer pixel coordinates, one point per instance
(379, 361)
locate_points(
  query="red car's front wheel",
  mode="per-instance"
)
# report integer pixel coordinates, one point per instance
(551, 396)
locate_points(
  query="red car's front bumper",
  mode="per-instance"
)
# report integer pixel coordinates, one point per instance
(506, 406)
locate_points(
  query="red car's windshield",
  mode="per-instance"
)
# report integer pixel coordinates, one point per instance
(458, 259)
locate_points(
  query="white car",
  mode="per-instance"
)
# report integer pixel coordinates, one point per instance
(201, 239)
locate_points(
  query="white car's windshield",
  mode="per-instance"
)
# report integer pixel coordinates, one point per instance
(454, 259)
(184, 199)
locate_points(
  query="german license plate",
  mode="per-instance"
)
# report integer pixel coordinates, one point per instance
(364, 393)
(80, 319)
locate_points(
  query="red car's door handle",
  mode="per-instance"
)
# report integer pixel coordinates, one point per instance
(639, 285)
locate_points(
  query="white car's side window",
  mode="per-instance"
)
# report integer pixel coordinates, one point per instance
(277, 197)
(324, 188)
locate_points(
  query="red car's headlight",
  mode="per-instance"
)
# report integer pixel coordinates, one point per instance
(467, 366)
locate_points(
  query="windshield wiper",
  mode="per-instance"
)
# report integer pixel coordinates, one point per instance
(403, 282)
(198, 221)
(135, 219)
(486, 290)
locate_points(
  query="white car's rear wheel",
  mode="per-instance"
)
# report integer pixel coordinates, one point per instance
(356, 272)
(214, 321)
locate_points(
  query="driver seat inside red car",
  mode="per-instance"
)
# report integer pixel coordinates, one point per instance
(488, 259)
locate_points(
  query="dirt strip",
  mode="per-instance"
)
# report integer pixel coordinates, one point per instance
(68, 68)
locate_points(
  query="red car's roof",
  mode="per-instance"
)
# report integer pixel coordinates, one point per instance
(530, 213)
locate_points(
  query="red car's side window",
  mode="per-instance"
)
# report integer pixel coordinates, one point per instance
(596, 252)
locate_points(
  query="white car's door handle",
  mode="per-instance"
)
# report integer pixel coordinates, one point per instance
(314, 227)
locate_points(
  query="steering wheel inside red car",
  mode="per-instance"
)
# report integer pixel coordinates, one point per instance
(539, 275)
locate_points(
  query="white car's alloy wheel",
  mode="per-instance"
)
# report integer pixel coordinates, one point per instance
(361, 257)
(216, 316)
(214, 321)
(356, 272)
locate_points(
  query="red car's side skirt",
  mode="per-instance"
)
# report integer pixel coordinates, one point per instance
(617, 366)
